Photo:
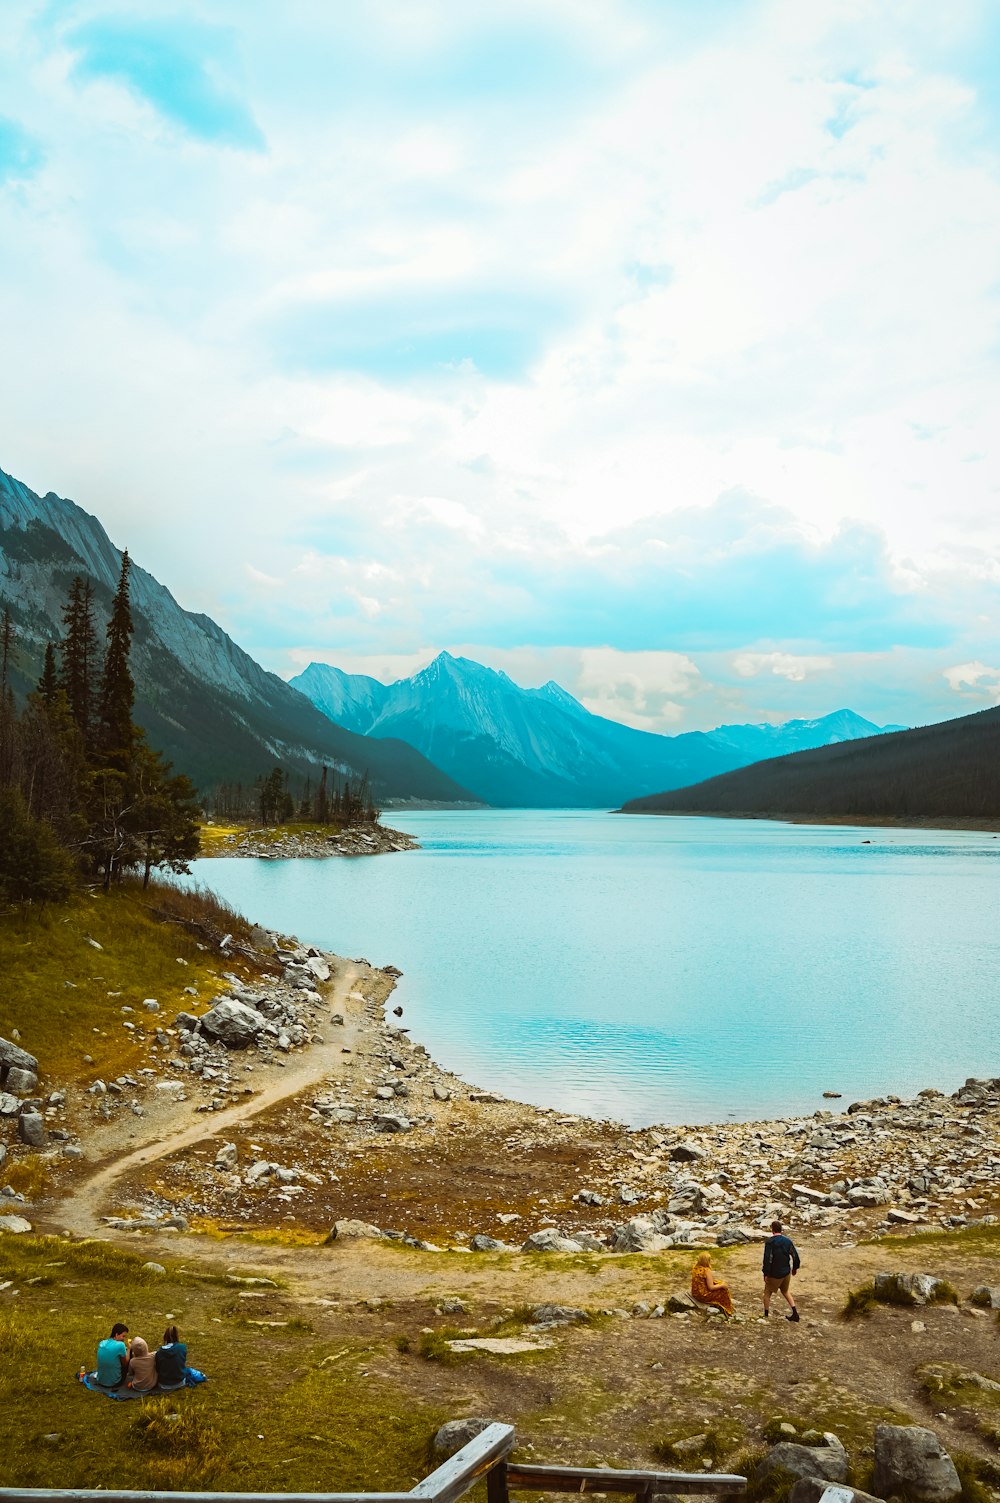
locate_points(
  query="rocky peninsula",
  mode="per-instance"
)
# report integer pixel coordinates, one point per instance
(314, 842)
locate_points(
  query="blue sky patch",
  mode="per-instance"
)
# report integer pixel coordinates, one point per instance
(179, 70)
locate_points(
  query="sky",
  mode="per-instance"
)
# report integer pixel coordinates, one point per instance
(647, 345)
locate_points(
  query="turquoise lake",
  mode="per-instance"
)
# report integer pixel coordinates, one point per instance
(666, 970)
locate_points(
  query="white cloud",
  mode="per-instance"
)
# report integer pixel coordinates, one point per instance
(975, 680)
(748, 251)
(796, 668)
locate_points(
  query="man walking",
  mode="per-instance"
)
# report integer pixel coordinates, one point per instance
(781, 1263)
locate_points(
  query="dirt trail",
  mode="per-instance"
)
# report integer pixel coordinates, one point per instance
(81, 1212)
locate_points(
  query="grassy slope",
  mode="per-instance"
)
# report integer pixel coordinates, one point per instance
(65, 997)
(288, 1424)
(951, 770)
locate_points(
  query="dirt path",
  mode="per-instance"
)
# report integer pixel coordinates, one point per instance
(81, 1212)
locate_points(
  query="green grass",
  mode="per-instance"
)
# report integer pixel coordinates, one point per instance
(860, 1301)
(721, 1439)
(273, 1415)
(980, 1238)
(65, 998)
(863, 1300)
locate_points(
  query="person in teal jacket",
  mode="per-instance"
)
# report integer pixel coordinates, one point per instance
(112, 1357)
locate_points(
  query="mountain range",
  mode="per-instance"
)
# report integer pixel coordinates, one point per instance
(936, 772)
(541, 748)
(215, 712)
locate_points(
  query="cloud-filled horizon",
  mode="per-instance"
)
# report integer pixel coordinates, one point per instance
(651, 348)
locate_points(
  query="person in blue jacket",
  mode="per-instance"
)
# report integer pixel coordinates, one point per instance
(781, 1264)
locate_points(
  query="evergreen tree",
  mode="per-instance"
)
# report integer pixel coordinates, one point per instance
(48, 684)
(323, 801)
(79, 655)
(117, 732)
(6, 648)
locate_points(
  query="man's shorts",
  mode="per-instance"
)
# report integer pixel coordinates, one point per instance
(777, 1286)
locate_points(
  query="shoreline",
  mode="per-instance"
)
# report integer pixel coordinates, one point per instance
(960, 825)
(350, 1121)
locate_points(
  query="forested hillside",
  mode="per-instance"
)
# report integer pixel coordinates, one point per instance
(217, 715)
(945, 771)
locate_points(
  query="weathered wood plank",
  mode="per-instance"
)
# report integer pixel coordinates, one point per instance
(581, 1479)
(105, 1495)
(456, 1475)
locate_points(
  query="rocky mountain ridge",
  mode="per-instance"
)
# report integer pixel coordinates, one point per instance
(541, 747)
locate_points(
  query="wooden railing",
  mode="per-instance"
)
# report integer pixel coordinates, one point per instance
(485, 1456)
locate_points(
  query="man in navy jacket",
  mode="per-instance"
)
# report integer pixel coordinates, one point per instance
(781, 1264)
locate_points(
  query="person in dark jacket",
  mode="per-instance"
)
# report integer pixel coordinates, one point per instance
(781, 1264)
(171, 1360)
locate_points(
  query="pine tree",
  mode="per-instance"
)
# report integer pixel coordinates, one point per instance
(48, 684)
(79, 654)
(6, 649)
(116, 731)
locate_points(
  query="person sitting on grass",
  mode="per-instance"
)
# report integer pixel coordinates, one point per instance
(112, 1357)
(141, 1367)
(706, 1289)
(171, 1360)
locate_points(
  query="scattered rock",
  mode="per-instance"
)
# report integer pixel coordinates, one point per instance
(549, 1240)
(828, 1462)
(21, 1082)
(156, 1268)
(455, 1434)
(349, 1230)
(14, 1224)
(986, 1296)
(557, 1315)
(687, 1153)
(392, 1122)
(31, 1129)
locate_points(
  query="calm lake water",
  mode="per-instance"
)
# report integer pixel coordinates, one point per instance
(667, 970)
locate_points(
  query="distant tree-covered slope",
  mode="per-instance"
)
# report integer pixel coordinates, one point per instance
(945, 771)
(214, 711)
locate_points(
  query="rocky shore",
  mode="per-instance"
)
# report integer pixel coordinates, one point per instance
(277, 844)
(373, 1139)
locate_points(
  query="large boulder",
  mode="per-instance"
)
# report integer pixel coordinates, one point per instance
(911, 1462)
(686, 1200)
(16, 1225)
(233, 1023)
(827, 1462)
(481, 1242)
(349, 1230)
(455, 1434)
(639, 1235)
(687, 1153)
(9, 1105)
(318, 967)
(557, 1315)
(13, 1057)
(987, 1296)
(550, 1240)
(906, 1288)
(391, 1122)
(21, 1082)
